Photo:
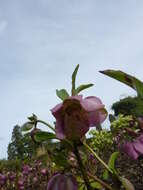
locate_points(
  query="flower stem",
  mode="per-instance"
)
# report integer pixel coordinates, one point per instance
(98, 158)
(76, 152)
(100, 181)
(45, 123)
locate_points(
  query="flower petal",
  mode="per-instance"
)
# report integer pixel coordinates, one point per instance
(75, 126)
(138, 146)
(77, 97)
(53, 182)
(60, 133)
(140, 138)
(128, 148)
(97, 117)
(92, 103)
(57, 110)
(62, 182)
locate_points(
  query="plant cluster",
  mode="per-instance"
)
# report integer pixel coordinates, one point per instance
(72, 158)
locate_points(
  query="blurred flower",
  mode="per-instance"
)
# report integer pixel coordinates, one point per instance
(75, 115)
(3, 179)
(26, 169)
(44, 171)
(20, 182)
(62, 182)
(11, 176)
(134, 149)
(35, 179)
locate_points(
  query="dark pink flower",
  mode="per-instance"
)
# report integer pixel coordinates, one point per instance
(133, 149)
(75, 115)
(62, 181)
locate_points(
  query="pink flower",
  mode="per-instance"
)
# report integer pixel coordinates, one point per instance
(62, 181)
(133, 149)
(75, 115)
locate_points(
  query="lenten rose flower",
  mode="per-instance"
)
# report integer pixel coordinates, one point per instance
(133, 149)
(62, 181)
(75, 115)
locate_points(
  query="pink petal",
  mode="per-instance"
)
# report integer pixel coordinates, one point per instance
(140, 138)
(128, 148)
(77, 97)
(97, 117)
(60, 129)
(56, 110)
(92, 103)
(138, 146)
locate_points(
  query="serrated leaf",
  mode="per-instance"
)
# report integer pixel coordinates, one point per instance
(74, 79)
(111, 164)
(127, 184)
(127, 79)
(41, 136)
(27, 126)
(62, 94)
(83, 87)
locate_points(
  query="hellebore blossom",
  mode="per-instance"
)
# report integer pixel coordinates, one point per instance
(133, 149)
(75, 115)
(62, 181)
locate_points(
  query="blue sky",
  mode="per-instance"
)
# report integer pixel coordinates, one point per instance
(41, 42)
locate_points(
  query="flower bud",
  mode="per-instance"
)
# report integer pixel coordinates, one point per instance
(63, 182)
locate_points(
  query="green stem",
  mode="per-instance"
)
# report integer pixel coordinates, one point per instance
(76, 152)
(100, 181)
(98, 158)
(45, 123)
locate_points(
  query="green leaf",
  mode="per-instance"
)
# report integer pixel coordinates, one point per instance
(83, 87)
(127, 79)
(27, 126)
(127, 184)
(112, 160)
(74, 79)
(96, 185)
(111, 164)
(41, 136)
(62, 94)
(111, 118)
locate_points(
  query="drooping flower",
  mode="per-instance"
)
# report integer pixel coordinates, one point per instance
(75, 115)
(62, 181)
(133, 149)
